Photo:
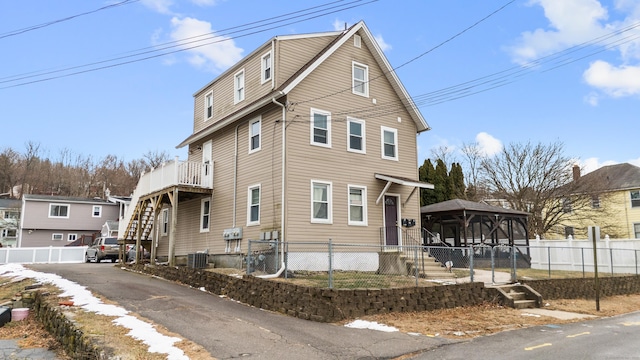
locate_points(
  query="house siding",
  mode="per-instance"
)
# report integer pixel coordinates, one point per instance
(306, 161)
(292, 54)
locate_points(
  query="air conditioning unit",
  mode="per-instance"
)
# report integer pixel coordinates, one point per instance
(197, 261)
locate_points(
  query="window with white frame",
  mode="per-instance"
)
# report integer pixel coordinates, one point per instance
(9, 233)
(165, 221)
(389, 139)
(356, 141)
(253, 205)
(238, 86)
(57, 236)
(72, 237)
(208, 105)
(357, 205)
(97, 211)
(360, 83)
(11, 215)
(265, 67)
(255, 129)
(205, 210)
(635, 198)
(595, 201)
(321, 211)
(320, 128)
(58, 210)
(636, 230)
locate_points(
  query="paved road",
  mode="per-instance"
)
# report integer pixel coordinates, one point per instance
(228, 329)
(606, 338)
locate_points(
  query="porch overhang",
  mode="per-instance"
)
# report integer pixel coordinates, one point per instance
(399, 180)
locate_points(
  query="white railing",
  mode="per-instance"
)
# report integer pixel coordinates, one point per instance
(39, 255)
(171, 173)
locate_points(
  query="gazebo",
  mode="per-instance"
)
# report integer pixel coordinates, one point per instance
(461, 223)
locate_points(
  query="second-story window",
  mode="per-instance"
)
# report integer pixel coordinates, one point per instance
(635, 198)
(97, 211)
(58, 211)
(208, 106)
(238, 87)
(320, 128)
(356, 136)
(389, 143)
(360, 85)
(266, 67)
(254, 135)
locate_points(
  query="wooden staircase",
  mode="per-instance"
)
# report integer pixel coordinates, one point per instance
(145, 209)
(519, 296)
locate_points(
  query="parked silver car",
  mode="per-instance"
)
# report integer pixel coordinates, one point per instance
(103, 248)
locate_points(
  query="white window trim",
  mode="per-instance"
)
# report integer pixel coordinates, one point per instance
(263, 78)
(364, 136)
(60, 235)
(202, 214)
(61, 217)
(329, 219)
(69, 236)
(165, 222)
(259, 121)
(99, 211)
(366, 79)
(210, 93)
(252, 187)
(236, 95)
(312, 127)
(365, 221)
(631, 199)
(395, 139)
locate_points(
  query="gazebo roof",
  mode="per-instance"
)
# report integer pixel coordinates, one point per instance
(459, 205)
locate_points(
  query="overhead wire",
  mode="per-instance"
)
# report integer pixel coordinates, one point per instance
(308, 15)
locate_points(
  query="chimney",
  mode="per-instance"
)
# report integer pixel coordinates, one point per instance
(576, 172)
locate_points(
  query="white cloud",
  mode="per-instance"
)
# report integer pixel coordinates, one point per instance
(339, 25)
(383, 45)
(161, 6)
(616, 81)
(216, 56)
(635, 162)
(488, 144)
(571, 22)
(592, 99)
(591, 164)
(204, 2)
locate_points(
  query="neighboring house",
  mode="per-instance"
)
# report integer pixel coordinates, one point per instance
(613, 203)
(59, 220)
(308, 138)
(9, 220)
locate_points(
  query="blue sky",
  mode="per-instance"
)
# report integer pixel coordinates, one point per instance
(534, 70)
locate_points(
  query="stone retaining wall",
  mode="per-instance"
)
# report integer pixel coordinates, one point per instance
(322, 304)
(584, 288)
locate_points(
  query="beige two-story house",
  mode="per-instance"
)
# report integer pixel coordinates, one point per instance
(308, 138)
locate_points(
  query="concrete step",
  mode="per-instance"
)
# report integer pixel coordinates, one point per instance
(524, 304)
(517, 295)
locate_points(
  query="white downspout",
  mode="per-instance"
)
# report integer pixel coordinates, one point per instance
(282, 197)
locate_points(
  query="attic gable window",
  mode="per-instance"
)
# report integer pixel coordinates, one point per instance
(635, 198)
(238, 87)
(266, 67)
(360, 82)
(357, 41)
(208, 106)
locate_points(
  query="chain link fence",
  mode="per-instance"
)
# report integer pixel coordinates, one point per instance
(326, 264)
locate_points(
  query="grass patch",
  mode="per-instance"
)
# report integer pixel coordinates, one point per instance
(352, 280)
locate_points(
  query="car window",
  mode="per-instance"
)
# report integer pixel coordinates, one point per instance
(111, 241)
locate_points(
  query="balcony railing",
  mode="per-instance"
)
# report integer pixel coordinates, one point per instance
(176, 172)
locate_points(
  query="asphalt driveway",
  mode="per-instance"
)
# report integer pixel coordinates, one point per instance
(228, 329)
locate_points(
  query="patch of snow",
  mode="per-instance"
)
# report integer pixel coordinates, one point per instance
(83, 298)
(372, 325)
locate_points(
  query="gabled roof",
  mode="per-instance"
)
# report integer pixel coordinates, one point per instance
(611, 178)
(289, 84)
(71, 199)
(457, 205)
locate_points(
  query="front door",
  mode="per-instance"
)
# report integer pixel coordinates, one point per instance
(206, 165)
(391, 220)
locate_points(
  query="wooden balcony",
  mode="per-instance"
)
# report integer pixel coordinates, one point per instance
(176, 173)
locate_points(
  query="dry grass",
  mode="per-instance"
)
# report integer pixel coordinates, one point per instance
(490, 318)
(112, 338)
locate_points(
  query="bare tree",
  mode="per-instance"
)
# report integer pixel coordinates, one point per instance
(155, 158)
(9, 162)
(537, 179)
(444, 153)
(473, 159)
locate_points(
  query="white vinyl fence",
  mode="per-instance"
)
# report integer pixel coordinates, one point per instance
(619, 256)
(39, 255)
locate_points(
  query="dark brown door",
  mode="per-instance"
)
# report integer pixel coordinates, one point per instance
(391, 220)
